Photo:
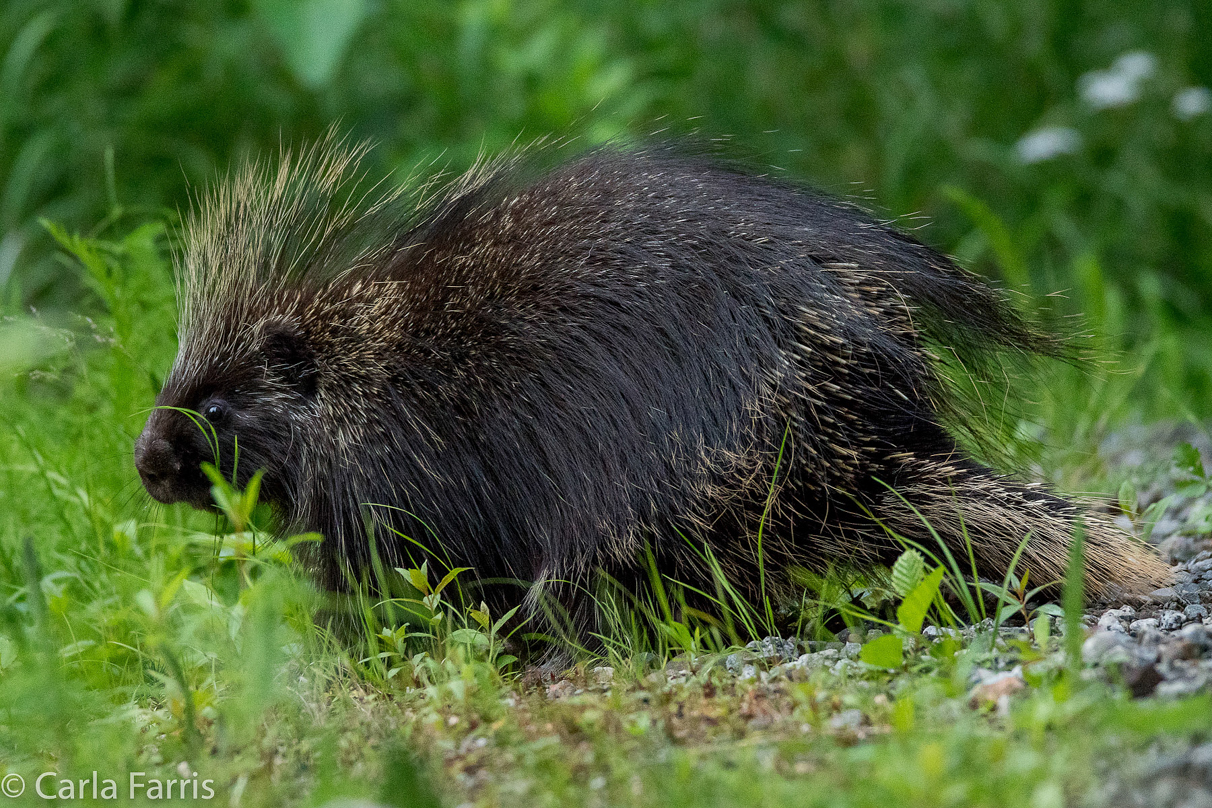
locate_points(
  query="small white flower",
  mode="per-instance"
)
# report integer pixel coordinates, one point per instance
(1046, 143)
(1136, 65)
(1105, 89)
(1191, 102)
(1120, 85)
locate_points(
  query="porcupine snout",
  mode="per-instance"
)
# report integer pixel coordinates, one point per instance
(168, 459)
(157, 465)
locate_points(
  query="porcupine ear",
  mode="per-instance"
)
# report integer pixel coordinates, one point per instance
(291, 358)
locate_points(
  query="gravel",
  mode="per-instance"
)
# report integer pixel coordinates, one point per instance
(1178, 777)
(1156, 645)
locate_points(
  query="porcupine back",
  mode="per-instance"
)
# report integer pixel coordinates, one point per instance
(540, 373)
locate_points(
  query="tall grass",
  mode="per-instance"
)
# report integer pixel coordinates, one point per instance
(946, 111)
(136, 637)
(139, 637)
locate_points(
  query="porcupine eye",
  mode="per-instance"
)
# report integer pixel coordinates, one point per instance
(214, 412)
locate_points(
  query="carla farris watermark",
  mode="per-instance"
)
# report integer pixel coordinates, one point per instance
(53, 786)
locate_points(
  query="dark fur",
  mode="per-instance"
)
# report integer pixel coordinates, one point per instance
(564, 368)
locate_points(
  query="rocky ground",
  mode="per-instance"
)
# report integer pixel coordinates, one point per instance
(986, 714)
(1157, 645)
(1162, 642)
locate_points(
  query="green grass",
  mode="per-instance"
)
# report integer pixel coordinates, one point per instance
(140, 638)
(914, 109)
(135, 637)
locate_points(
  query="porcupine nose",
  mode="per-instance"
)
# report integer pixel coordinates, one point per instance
(157, 465)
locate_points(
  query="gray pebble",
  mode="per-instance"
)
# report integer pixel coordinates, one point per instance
(1144, 654)
(1166, 593)
(1188, 592)
(813, 646)
(1150, 635)
(1180, 547)
(845, 666)
(1164, 527)
(1195, 612)
(1106, 648)
(809, 662)
(1177, 688)
(733, 663)
(1137, 626)
(847, 719)
(1198, 635)
(774, 648)
(646, 660)
(1170, 620)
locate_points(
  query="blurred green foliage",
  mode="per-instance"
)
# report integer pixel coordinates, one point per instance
(113, 108)
(1054, 145)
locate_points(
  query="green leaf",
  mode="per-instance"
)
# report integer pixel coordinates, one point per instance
(214, 475)
(252, 493)
(418, 580)
(884, 652)
(223, 498)
(1186, 458)
(469, 636)
(908, 572)
(147, 602)
(912, 612)
(1041, 627)
(677, 632)
(481, 617)
(503, 619)
(1005, 246)
(1152, 716)
(1051, 609)
(1152, 514)
(1128, 499)
(405, 780)
(26, 345)
(313, 35)
(302, 538)
(1191, 489)
(997, 590)
(448, 577)
(1032, 593)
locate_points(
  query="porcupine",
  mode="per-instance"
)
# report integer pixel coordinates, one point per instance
(548, 373)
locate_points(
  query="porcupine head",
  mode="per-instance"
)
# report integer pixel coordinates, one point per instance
(263, 323)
